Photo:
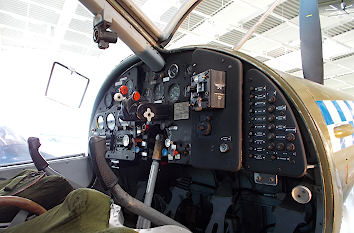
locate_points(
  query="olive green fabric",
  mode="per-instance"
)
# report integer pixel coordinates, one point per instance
(48, 191)
(84, 210)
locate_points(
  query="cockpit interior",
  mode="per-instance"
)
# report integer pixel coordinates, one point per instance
(235, 152)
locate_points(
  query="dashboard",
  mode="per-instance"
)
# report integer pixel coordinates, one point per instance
(213, 110)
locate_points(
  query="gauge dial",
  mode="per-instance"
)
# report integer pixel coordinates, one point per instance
(173, 71)
(100, 121)
(174, 92)
(108, 100)
(148, 94)
(111, 121)
(130, 86)
(159, 91)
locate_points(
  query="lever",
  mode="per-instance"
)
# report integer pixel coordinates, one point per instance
(98, 149)
(156, 157)
(40, 163)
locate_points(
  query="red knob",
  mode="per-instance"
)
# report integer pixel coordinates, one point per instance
(123, 90)
(136, 96)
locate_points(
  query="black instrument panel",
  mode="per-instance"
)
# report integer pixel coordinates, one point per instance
(203, 105)
(272, 138)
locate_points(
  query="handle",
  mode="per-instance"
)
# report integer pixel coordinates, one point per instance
(22, 203)
(98, 151)
(38, 160)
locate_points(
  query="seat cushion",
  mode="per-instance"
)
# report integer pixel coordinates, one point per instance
(48, 191)
(83, 210)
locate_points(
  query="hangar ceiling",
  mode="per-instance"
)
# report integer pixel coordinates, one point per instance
(67, 25)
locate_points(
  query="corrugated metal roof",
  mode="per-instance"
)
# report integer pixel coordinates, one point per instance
(58, 4)
(342, 56)
(278, 52)
(288, 9)
(14, 6)
(293, 70)
(84, 26)
(82, 11)
(7, 19)
(269, 23)
(192, 21)
(335, 31)
(210, 7)
(232, 37)
(78, 38)
(214, 43)
(262, 59)
(41, 13)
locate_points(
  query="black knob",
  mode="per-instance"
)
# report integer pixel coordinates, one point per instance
(250, 148)
(280, 146)
(271, 146)
(251, 96)
(273, 157)
(271, 118)
(271, 136)
(290, 147)
(290, 137)
(271, 108)
(251, 88)
(271, 127)
(271, 99)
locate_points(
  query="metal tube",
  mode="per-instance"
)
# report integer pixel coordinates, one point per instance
(143, 222)
(139, 208)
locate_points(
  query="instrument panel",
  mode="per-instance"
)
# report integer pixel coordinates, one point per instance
(209, 108)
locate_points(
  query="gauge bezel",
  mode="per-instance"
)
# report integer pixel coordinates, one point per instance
(98, 122)
(169, 72)
(162, 92)
(108, 121)
(169, 92)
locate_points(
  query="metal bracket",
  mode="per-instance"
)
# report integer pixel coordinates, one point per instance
(178, 195)
(217, 220)
(101, 35)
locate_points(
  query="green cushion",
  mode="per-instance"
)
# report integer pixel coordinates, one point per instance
(49, 191)
(84, 210)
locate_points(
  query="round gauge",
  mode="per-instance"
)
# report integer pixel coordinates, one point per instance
(108, 100)
(130, 86)
(174, 92)
(172, 71)
(126, 140)
(100, 122)
(148, 94)
(111, 121)
(159, 91)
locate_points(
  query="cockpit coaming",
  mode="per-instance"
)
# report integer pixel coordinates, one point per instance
(233, 143)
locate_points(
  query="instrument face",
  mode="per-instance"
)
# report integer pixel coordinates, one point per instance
(221, 116)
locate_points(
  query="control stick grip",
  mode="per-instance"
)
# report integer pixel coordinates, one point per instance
(38, 160)
(98, 151)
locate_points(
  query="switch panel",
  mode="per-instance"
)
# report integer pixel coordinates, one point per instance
(272, 138)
